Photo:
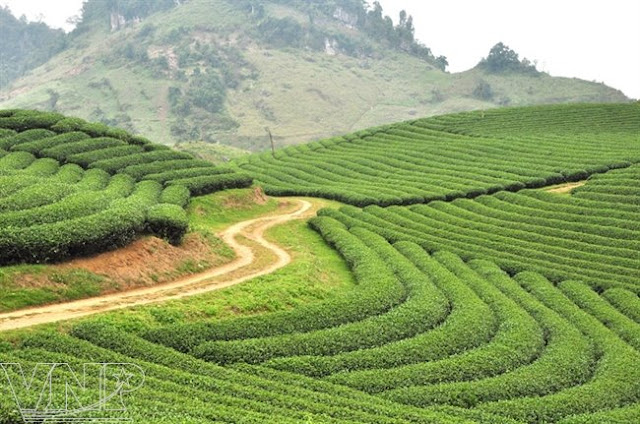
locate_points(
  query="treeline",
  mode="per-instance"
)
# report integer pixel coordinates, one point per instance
(25, 45)
(369, 18)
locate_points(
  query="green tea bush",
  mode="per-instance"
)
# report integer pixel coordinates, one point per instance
(471, 323)
(4, 133)
(176, 195)
(168, 222)
(625, 301)
(86, 159)
(199, 186)
(518, 341)
(182, 174)
(29, 119)
(43, 167)
(116, 164)
(369, 298)
(140, 171)
(36, 195)
(49, 141)
(63, 151)
(25, 137)
(71, 184)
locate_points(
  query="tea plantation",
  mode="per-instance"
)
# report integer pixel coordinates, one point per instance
(479, 297)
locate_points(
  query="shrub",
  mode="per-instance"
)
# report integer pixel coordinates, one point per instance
(87, 158)
(43, 167)
(29, 119)
(16, 161)
(24, 137)
(168, 221)
(117, 164)
(63, 151)
(176, 195)
(182, 174)
(48, 142)
(199, 186)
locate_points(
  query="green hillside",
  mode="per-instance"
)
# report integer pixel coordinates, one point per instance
(25, 45)
(221, 71)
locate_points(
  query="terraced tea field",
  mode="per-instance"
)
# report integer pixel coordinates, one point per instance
(478, 297)
(70, 188)
(456, 156)
(585, 237)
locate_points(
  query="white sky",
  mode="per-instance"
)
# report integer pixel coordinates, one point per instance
(589, 39)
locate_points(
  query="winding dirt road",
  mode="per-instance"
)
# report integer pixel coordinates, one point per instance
(235, 272)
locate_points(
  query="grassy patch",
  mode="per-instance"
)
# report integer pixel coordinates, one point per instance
(23, 286)
(223, 209)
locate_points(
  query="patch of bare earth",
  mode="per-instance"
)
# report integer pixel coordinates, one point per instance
(258, 198)
(145, 262)
(565, 188)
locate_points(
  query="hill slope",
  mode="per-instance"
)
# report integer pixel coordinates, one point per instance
(222, 70)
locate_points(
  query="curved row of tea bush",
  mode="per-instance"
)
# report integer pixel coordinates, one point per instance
(471, 323)
(220, 394)
(625, 301)
(584, 243)
(59, 199)
(98, 146)
(417, 314)
(507, 346)
(620, 187)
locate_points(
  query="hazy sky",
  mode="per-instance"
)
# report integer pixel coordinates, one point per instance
(589, 39)
(593, 40)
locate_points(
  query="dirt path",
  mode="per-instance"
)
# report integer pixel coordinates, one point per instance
(565, 188)
(213, 279)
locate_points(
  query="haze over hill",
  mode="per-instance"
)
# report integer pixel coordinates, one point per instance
(222, 71)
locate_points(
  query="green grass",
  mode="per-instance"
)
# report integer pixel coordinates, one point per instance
(221, 210)
(58, 285)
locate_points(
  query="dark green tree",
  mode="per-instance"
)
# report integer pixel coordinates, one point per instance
(503, 59)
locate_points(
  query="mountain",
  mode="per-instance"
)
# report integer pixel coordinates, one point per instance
(221, 71)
